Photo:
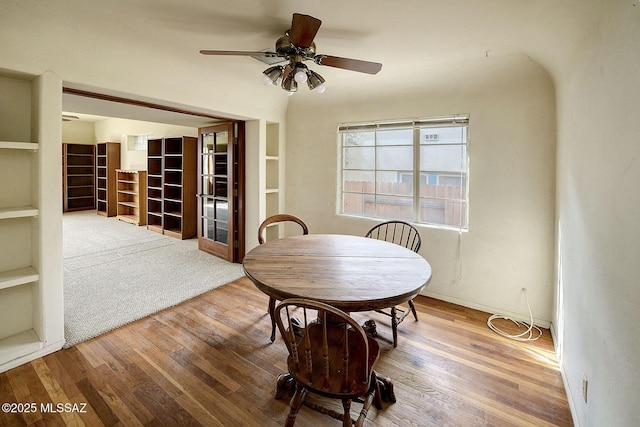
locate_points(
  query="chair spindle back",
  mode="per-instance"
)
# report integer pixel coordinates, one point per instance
(398, 232)
(328, 353)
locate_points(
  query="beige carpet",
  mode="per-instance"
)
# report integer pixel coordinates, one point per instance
(116, 272)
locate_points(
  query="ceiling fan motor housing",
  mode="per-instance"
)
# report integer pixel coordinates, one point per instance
(285, 48)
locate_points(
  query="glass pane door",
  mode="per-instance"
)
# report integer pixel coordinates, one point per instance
(216, 191)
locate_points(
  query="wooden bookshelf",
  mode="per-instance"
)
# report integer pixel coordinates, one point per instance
(78, 177)
(107, 162)
(131, 194)
(154, 185)
(172, 186)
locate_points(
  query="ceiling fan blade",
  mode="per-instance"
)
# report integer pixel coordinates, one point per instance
(348, 64)
(303, 29)
(239, 53)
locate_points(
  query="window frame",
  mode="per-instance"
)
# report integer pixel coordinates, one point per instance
(457, 120)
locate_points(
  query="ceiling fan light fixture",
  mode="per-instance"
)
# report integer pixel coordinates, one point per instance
(316, 82)
(289, 84)
(272, 75)
(300, 73)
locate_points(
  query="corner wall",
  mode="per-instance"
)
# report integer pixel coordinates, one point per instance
(597, 304)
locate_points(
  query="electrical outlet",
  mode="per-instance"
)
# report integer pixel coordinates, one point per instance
(585, 387)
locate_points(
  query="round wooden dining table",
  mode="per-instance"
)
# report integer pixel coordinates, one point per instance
(351, 273)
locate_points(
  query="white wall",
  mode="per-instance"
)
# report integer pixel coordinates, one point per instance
(512, 166)
(77, 132)
(598, 304)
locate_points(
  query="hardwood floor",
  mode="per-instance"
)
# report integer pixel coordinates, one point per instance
(209, 362)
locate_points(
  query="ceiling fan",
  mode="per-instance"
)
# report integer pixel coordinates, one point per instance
(297, 46)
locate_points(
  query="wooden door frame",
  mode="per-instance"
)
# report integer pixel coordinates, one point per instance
(239, 160)
(235, 248)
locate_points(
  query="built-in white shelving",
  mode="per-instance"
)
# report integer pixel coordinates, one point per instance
(31, 291)
(27, 340)
(273, 195)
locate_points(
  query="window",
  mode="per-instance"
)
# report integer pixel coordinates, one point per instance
(414, 171)
(137, 142)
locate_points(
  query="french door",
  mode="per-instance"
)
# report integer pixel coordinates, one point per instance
(221, 190)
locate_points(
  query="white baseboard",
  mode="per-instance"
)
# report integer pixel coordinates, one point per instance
(48, 349)
(488, 309)
(567, 389)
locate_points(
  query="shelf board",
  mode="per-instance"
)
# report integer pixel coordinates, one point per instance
(175, 232)
(130, 204)
(18, 212)
(272, 158)
(18, 345)
(155, 228)
(133, 219)
(272, 191)
(19, 145)
(17, 277)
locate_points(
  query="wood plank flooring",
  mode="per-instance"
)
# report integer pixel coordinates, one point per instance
(209, 362)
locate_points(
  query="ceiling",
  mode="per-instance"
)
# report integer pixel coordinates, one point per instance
(419, 42)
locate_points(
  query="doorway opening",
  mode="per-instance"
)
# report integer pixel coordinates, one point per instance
(93, 118)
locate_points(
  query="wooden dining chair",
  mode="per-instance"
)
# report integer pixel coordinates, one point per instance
(330, 355)
(280, 218)
(404, 234)
(261, 239)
